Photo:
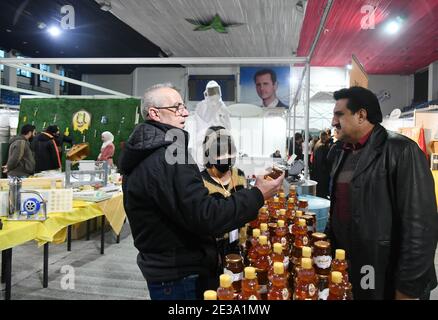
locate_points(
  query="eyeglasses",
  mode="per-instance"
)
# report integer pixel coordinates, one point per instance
(179, 108)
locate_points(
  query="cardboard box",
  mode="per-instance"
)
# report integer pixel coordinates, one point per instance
(434, 146)
(79, 230)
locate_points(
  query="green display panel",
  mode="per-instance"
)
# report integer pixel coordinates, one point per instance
(118, 116)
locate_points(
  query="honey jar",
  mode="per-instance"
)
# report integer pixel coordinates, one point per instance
(234, 268)
(322, 257)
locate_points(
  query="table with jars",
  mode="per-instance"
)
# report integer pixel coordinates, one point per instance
(283, 257)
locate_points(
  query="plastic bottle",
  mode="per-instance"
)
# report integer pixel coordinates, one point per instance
(279, 290)
(250, 285)
(306, 286)
(225, 290)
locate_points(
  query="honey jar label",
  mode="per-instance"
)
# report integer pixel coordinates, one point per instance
(286, 263)
(323, 294)
(323, 262)
(285, 294)
(283, 241)
(305, 241)
(312, 289)
(234, 276)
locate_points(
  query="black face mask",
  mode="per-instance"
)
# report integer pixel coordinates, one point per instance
(223, 168)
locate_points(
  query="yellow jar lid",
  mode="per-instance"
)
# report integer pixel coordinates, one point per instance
(210, 295)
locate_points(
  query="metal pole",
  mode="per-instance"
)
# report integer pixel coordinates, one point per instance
(295, 127)
(324, 18)
(46, 266)
(69, 238)
(102, 236)
(288, 128)
(7, 256)
(160, 61)
(66, 79)
(306, 123)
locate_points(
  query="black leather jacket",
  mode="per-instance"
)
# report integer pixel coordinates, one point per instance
(394, 226)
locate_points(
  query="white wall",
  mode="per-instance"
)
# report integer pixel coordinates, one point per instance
(144, 78)
(118, 82)
(323, 82)
(401, 89)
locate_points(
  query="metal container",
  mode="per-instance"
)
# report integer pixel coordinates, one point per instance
(4, 134)
(14, 197)
(307, 187)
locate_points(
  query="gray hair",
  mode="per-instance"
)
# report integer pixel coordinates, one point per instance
(151, 99)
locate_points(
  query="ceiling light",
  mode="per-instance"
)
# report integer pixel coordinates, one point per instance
(349, 67)
(394, 26)
(54, 31)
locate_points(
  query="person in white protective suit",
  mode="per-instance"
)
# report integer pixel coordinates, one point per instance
(210, 112)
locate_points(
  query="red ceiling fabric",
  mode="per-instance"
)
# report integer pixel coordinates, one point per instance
(314, 12)
(415, 46)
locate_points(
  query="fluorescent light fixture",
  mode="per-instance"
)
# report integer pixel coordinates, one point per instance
(54, 31)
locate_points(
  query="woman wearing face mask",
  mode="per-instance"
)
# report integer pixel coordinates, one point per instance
(107, 149)
(222, 179)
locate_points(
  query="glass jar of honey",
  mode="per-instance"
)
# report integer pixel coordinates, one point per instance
(317, 236)
(310, 225)
(322, 257)
(303, 204)
(234, 268)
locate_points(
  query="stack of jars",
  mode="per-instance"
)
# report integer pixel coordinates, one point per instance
(283, 257)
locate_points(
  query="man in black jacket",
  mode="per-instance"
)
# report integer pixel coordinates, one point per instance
(173, 220)
(383, 210)
(47, 155)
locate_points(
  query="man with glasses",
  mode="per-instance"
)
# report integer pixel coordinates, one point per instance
(173, 220)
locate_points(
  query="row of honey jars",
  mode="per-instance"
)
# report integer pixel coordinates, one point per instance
(306, 287)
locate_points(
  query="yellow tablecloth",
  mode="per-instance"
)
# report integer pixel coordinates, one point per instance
(15, 233)
(114, 212)
(435, 176)
(54, 229)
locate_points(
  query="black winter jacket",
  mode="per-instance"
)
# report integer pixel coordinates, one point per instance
(174, 221)
(394, 224)
(45, 152)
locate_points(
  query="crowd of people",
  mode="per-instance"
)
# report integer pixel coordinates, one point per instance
(184, 221)
(31, 152)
